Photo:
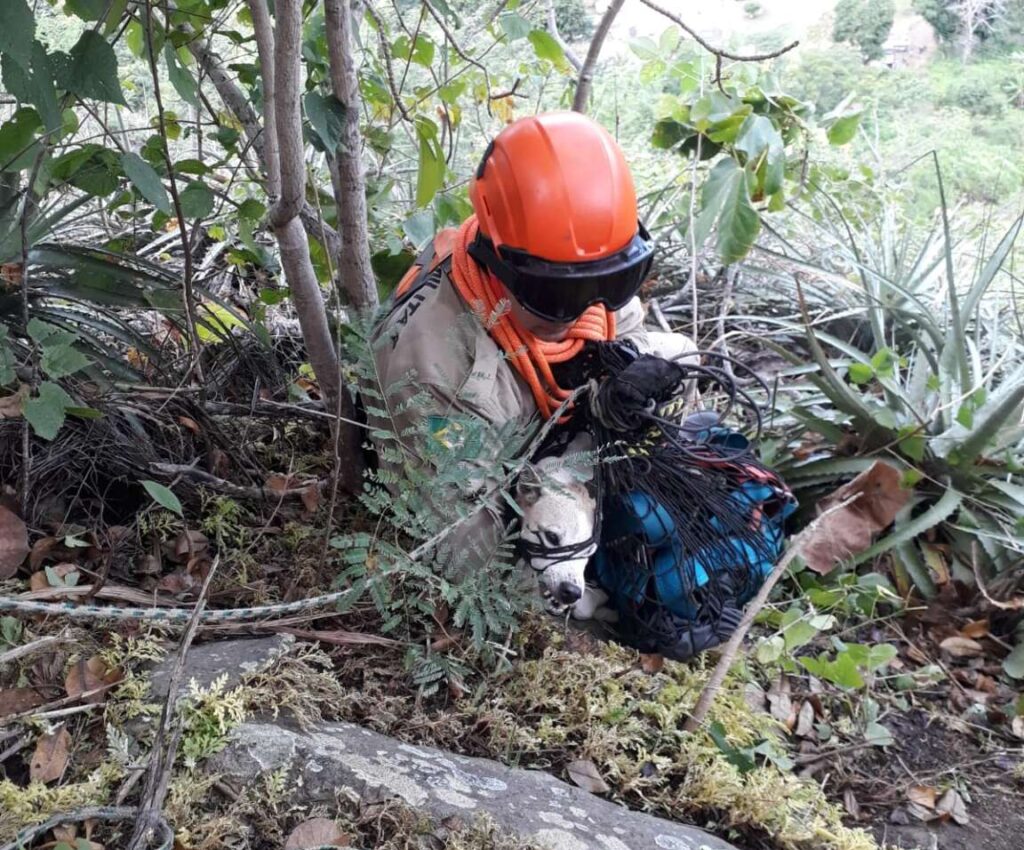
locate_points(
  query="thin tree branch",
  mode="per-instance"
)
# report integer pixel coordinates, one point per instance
(455, 46)
(161, 761)
(574, 60)
(355, 272)
(389, 70)
(717, 51)
(264, 30)
(284, 215)
(586, 76)
(196, 367)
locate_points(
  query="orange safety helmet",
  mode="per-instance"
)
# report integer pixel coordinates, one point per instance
(558, 216)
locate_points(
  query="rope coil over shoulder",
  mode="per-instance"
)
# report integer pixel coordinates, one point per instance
(532, 358)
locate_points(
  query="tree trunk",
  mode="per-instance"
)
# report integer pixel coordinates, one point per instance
(355, 273)
(285, 220)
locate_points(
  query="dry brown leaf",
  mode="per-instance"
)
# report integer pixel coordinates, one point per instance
(11, 406)
(89, 675)
(176, 583)
(189, 423)
(316, 832)
(13, 542)
(952, 804)
(586, 775)
(67, 832)
(278, 483)
(923, 795)
(962, 647)
(40, 549)
(50, 759)
(17, 700)
(311, 498)
(780, 704)
(651, 663)
(805, 721)
(975, 629)
(848, 531)
(850, 803)
(922, 812)
(190, 543)
(935, 558)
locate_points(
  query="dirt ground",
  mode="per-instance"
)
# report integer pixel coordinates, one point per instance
(930, 755)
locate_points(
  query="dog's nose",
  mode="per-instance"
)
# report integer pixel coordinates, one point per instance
(569, 593)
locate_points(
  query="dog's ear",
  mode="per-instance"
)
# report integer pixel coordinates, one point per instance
(528, 487)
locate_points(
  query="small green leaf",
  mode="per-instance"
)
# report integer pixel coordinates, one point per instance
(912, 442)
(1013, 664)
(17, 139)
(842, 130)
(514, 26)
(45, 412)
(196, 200)
(727, 197)
(147, 181)
(545, 46)
(965, 415)
(180, 76)
(87, 10)
(419, 227)
(34, 84)
(91, 70)
(431, 171)
(163, 496)
(252, 210)
(17, 31)
(62, 359)
(860, 373)
(327, 118)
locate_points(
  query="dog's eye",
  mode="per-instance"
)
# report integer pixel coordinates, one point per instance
(550, 538)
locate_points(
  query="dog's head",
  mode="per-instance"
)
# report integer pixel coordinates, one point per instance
(558, 525)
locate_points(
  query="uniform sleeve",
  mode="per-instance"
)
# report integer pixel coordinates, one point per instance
(472, 502)
(629, 325)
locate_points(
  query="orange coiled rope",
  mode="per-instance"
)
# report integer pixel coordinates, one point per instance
(531, 357)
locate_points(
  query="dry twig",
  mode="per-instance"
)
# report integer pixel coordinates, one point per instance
(161, 760)
(711, 689)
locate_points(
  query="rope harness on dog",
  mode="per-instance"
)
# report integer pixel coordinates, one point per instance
(532, 358)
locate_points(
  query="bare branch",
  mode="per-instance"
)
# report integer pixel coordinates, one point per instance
(586, 77)
(718, 52)
(455, 45)
(574, 60)
(265, 47)
(389, 70)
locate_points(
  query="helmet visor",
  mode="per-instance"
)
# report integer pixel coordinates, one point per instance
(561, 292)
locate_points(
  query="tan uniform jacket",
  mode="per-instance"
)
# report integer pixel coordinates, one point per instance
(435, 336)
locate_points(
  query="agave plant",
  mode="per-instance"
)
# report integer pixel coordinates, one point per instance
(84, 306)
(935, 387)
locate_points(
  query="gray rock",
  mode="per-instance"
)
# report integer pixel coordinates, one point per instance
(208, 661)
(530, 804)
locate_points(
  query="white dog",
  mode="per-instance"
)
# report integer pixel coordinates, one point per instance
(560, 514)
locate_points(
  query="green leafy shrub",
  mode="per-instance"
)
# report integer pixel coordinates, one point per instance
(428, 486)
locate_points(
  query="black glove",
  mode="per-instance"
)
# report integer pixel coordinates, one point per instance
(643, 384)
